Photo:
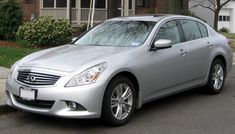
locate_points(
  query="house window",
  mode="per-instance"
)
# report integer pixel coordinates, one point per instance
(98, 3)
(130, 4)
(181, 4)
(142, 3)
(59, 3)
(48, 3)
(224, 18)
(220, 18)
(228, 18)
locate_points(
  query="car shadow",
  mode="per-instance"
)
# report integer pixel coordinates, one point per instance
(84, 124)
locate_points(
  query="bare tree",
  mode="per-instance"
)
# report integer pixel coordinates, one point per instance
(214, 5)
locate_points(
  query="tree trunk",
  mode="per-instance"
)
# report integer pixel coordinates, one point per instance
(216, 18)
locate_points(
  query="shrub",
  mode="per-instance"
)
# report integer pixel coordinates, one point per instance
(46, 31)
(224, 30)
(11, 17)
(83, 28)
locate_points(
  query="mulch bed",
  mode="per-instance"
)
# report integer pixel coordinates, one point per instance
(9, 44)
(14, 44)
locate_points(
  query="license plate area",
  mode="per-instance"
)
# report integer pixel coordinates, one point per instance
(28, 93)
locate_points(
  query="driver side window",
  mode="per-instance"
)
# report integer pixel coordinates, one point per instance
(169, 31)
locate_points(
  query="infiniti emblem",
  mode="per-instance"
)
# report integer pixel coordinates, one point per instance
(31, 78)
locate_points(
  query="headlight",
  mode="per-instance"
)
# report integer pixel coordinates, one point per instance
(12, 69)
(88, 76)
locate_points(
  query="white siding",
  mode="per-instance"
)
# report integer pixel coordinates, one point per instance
(208, 16)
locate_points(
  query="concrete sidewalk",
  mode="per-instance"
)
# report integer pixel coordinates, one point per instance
(4, 72)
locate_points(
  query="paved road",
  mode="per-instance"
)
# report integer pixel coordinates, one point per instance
(191, 112)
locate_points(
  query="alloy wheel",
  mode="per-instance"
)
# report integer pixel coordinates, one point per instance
(121, 101)
(217, 76)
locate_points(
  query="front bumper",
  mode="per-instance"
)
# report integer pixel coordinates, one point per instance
(88, 96)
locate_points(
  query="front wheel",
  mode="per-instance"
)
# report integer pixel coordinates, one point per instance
(216, 77)
(119, 101)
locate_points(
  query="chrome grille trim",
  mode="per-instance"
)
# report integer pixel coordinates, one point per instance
(38, 79)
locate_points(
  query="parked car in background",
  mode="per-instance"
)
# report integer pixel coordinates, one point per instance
(118, 66)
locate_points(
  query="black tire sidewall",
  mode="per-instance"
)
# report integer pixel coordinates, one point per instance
(107, 115)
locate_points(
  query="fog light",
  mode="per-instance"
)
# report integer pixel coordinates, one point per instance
(72, 105)
(75, 106)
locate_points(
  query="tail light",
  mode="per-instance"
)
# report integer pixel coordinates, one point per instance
(230, 43)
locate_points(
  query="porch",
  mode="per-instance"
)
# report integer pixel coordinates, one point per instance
(78, 10)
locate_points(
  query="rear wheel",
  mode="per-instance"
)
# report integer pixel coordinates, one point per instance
(216, 77)
(119, 101)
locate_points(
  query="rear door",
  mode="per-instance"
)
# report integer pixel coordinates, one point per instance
(199, 46)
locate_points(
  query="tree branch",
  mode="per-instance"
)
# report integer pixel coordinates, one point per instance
(226, 2)
(212, 2)
(208, 8)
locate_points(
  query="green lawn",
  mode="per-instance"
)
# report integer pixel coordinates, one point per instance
(231, 36)
(9, 55)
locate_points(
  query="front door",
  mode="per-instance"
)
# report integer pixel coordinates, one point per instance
(167, 69)
(117, 8)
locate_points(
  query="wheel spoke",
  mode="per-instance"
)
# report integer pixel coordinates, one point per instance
(216, 83)
(217, 68)
(213, 79)
(221, 78)
(118, 114)
(114, 102)
(127, 106)
(126, 94)
(220, 71)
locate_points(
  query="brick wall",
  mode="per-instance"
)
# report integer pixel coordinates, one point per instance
(147, 10)
(163, 7)
(30, 7)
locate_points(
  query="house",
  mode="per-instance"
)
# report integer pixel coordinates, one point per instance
(104, 9)
(226, 15)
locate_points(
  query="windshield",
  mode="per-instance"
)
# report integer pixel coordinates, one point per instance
(118, 34)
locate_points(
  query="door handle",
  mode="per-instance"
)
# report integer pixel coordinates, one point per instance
(209, 45)
(182, 52)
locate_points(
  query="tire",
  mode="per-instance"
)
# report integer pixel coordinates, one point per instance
(124, 105)
(216, 78)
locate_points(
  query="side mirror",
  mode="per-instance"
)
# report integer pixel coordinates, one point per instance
(162, 44)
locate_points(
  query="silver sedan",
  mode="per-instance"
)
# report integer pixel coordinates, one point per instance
(118, 66)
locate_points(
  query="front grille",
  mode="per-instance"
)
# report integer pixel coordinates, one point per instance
(40, 79)
(35, 103)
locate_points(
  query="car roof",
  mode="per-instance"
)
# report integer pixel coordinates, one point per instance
(154, 17)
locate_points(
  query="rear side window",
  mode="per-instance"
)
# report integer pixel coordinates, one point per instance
(203, 30)
(191, 30)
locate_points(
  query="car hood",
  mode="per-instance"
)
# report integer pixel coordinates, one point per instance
(69, 58)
